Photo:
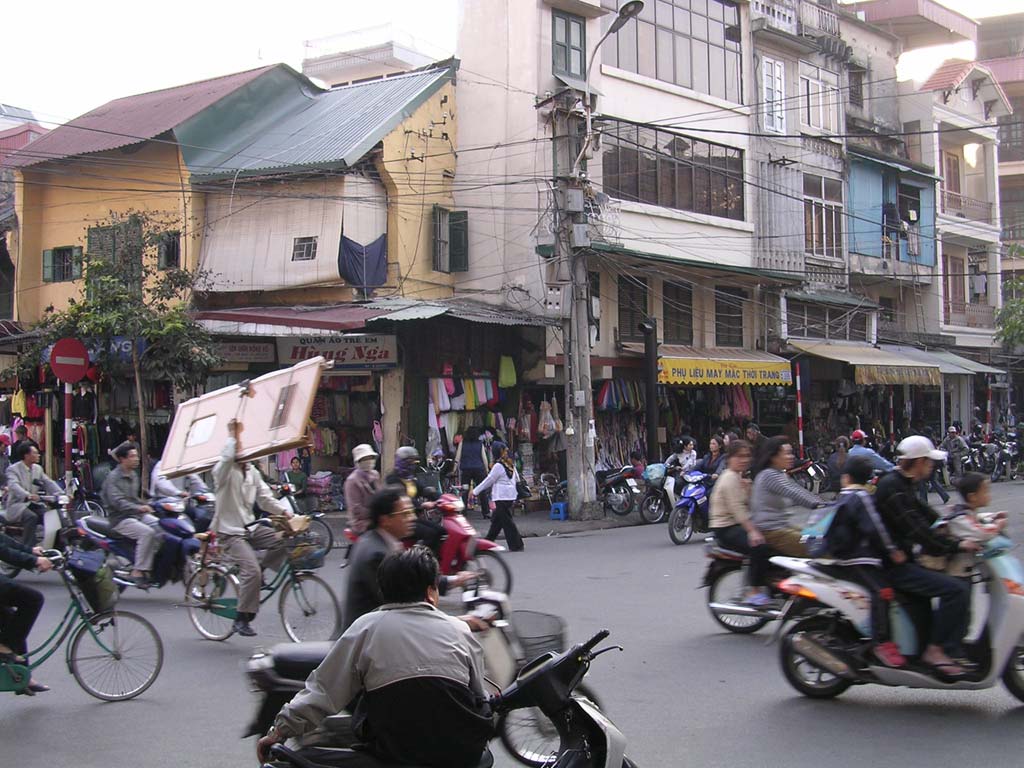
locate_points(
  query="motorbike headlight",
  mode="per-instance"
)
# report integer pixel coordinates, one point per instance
(63, 500)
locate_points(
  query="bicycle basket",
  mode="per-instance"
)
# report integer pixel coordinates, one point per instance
(307, 557)
(538, 633)
(98, 589)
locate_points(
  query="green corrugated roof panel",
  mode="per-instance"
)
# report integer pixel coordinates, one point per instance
(321, 130)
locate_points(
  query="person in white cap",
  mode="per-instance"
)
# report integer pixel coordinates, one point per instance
(957, 448)
(909, 521)
(360, 486)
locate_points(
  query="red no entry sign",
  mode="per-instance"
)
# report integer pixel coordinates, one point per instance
(69, 360)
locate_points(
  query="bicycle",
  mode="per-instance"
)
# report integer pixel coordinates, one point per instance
(307, 605)
(113, 655)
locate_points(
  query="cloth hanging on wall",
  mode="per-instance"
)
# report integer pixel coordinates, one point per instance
(363, 266)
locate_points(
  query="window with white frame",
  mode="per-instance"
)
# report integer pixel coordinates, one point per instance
(820, 102)
(773, 96)
(823, 216)
(304, 249)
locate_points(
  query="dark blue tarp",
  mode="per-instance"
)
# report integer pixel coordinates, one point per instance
(364, 266)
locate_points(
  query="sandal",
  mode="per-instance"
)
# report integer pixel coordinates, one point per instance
(947, 669)
(13, 658)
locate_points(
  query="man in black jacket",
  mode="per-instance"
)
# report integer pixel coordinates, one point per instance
(25, 601)
(909, 521)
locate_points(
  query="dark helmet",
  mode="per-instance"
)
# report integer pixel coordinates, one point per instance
(407, 454)
(679, 444)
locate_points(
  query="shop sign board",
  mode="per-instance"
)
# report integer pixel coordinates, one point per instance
(246, 351)
(355, 351)
(676, 370)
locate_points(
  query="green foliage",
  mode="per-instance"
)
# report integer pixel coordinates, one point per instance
(125, 295)
(1010, 318)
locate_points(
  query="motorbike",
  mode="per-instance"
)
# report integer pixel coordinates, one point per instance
(812, 475)
(55, 521)
(692, 511)
(823, 655)
(1007, 459)
(200, 507)
(725, 578)
(581, 736)
(660, 499)
(174, 557)
(462, 549)
(617, 490)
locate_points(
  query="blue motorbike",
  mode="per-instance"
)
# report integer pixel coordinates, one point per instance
(174, 558)
(691, 511)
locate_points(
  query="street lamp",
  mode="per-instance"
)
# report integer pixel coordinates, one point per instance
(628, 11)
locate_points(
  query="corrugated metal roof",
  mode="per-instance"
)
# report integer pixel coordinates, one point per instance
(330, 129)
(132, 119)
(401, 309)
(946, 366)
(834, 298)
(16, 113)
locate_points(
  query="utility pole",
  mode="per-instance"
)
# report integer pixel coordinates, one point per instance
(571, 241)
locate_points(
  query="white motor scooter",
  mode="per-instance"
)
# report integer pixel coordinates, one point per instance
(56, 518)
(825, 654)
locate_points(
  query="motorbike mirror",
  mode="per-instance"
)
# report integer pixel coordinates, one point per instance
(597, 653)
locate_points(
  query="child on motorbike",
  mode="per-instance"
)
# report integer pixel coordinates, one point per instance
(859, 540)
(967, 522)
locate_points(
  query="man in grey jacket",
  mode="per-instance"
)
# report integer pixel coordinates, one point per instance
(25, 479)
(128, 512)
(413, 675)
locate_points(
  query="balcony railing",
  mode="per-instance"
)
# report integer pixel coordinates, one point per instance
(813, 16)
(782, 15)
(1013, 227)
(970, 315)
(955, 204)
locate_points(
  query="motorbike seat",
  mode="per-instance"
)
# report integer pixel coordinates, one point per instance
(102, 526)
(294, 661)
(328, 757)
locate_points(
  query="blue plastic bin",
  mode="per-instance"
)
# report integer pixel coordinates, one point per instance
(559, 510)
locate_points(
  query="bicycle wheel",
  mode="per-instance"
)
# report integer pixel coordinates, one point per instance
(211, 596)
(116, 655)
(309, 609)
(530, 736)
(492, 571)
(89, 508)
(320, 534)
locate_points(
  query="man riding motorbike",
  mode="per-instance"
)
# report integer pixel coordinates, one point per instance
(909, 521)
(407, 475)
(860, 447)
(956, 449)
(24, 478)
(130, 515)
(411, 675)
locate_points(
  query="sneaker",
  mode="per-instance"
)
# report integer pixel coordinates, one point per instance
(758, 600)
(889, 654)
(243, 628)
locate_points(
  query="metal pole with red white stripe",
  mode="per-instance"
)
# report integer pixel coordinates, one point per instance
(799, 412)
(988, 405)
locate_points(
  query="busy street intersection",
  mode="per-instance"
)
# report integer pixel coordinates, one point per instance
(683, 691)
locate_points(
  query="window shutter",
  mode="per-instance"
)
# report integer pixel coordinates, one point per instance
(458, 241)
(780, 96)
(76, 262)
(442, 233)
(48, 266)
(161, 254)
(768, 73)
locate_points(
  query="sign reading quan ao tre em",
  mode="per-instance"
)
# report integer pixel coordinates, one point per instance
(356, 351)
(676, 370)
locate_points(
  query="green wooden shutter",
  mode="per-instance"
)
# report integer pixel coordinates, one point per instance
(76, 262)
(442, 235)
(161, 253)
(48, 266)
(458, 241)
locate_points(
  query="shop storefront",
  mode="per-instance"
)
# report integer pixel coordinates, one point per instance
(859, 386)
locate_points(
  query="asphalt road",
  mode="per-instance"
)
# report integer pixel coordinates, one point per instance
(683, 692)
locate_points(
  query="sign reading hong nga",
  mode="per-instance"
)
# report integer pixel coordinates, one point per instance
(356, 351)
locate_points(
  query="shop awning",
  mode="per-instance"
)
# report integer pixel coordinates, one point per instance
(873, 365)
(688, 365)
(340, 317)
(965, 362)
(947, 367)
